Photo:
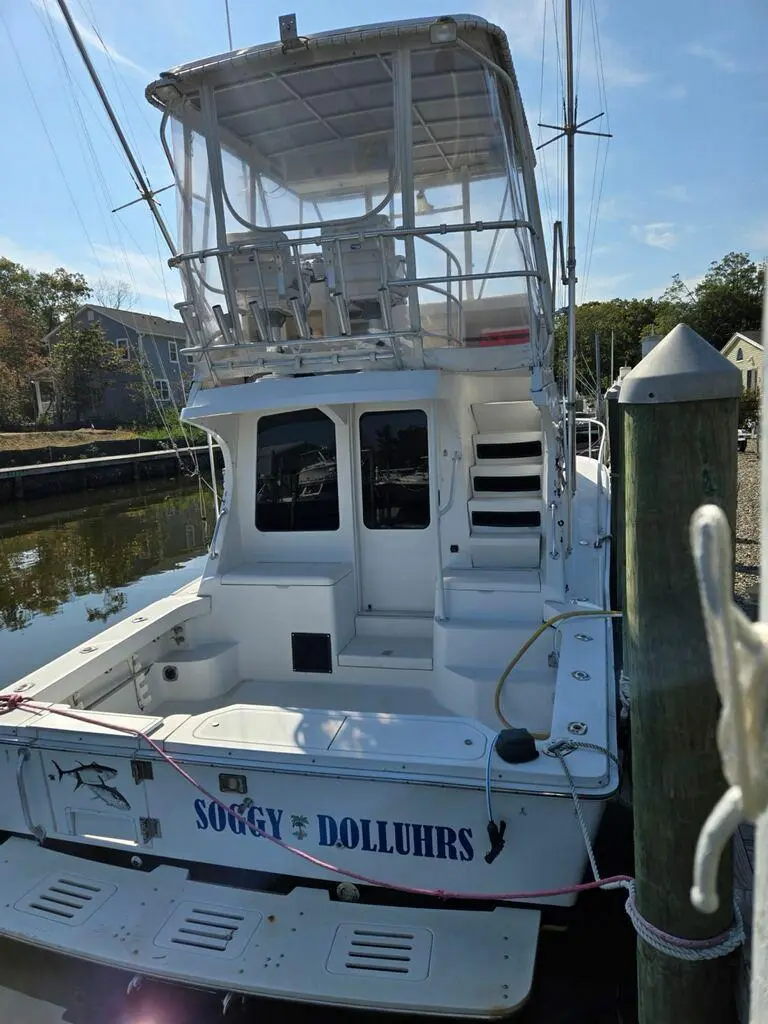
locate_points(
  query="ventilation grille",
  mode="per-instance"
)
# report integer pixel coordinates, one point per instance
(508, 450)
(373, 951)
(508, 520)
(203, 928)
(506, 484)
(67, 899)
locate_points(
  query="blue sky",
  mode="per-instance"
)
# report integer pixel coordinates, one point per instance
(686, 83)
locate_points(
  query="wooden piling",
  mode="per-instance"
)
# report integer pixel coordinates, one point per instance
(680, 410)
(616, 456)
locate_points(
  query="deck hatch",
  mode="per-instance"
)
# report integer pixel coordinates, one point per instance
(68, 899)
(377, 951)
(208, 929)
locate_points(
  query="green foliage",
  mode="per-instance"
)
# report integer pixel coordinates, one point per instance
(627, 320)
(749, 406)
(31, 305)
(81, 361)
(727, 299)
(48, 298)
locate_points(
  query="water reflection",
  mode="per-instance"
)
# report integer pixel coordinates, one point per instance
(79, 556)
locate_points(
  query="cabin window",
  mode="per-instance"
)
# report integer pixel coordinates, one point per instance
(394, 469)
(296, 487)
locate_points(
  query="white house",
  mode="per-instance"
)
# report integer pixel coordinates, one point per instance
(745, 350)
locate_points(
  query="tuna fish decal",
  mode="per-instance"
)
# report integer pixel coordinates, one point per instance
(92, 776)
(87, 774)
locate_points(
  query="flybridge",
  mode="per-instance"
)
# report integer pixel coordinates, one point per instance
(358, 208)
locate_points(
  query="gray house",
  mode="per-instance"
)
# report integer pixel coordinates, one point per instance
(154, 344)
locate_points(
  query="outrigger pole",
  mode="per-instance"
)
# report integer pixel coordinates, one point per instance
(145, 192)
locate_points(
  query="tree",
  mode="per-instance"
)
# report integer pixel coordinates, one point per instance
(116, 294)
(729, 298)
(677, 305)
(81, 361)
(624, 319)
(749, 406)
(48, 297)
(20, 361)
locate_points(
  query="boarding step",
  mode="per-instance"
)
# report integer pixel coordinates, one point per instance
(506, 416)
(301, 946)
(393, 651)
(391, 624)
(505, 549)
(495, 481)
(487, 515)
(508, 449)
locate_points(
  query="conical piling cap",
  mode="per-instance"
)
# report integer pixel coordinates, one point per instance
(683, 367)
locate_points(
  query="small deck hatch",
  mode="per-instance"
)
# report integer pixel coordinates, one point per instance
(207, 929)
(376, 951)
(66, 899)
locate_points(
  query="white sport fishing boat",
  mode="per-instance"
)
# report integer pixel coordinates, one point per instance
(355, 761)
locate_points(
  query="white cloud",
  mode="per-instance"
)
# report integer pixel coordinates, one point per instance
(677, 193)
(721, 61)
(91, 38)
(659, 235)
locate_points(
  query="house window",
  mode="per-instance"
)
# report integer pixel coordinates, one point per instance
(124, 348)
(173, 351)
(89, 315)
(162, 390)
(739, 355)
(189, 357)
(750, 379)
(296, 487)
(394, 470)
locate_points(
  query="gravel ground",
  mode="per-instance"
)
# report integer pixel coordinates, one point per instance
(747, 558)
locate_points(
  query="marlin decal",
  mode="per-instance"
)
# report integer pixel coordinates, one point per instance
(87, 774)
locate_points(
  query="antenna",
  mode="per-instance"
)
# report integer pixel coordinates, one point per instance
(570, 130)
(145, 192)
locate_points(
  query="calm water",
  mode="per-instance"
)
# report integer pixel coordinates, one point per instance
(71, 565)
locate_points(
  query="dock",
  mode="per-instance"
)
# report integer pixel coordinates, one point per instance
(18, 483)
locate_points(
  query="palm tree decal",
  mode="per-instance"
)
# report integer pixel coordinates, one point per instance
(299, 824)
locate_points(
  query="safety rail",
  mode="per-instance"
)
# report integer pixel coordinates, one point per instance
(281, 273)
(602, 492)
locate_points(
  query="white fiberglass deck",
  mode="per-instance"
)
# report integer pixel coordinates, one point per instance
(528, 700)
